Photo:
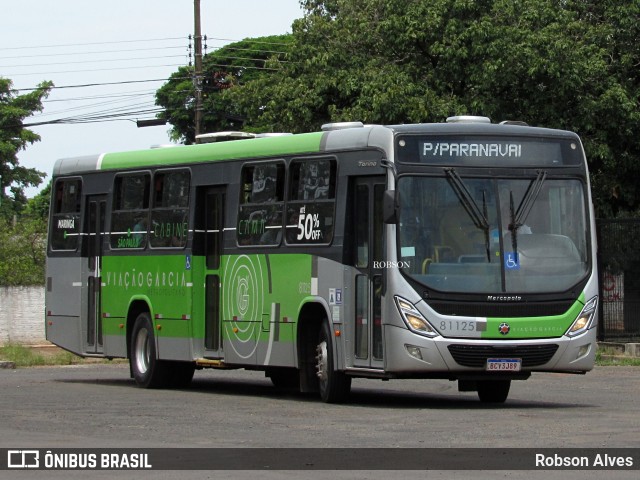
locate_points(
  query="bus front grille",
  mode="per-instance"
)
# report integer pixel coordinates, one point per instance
(500, 310)
(477, 355)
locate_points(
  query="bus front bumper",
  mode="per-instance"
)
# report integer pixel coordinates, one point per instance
(415, 354)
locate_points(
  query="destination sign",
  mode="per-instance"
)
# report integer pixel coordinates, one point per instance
(448, 149)
(488, 151)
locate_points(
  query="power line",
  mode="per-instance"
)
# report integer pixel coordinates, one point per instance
(97, 70)
(28, 47)
(252, 41)
(100, 84)
(89, 61)
(96, 117)
(109, 110)
(94, 105)
(92, 43)
(95, 52)
(254, 50)
(134, 93)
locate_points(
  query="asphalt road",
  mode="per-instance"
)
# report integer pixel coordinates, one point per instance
(98, 406)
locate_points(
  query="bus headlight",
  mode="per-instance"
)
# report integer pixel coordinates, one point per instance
(585, 320)
(414, 319)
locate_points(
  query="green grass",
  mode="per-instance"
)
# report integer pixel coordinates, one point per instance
(26, 357)
(606, 357)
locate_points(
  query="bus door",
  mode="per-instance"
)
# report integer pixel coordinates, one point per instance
(93, 232)
(212, 223)
(367, 282)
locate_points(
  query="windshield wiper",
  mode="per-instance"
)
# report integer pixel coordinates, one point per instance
(479, 217)
(519, 217)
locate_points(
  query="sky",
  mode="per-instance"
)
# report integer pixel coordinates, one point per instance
(126, 43)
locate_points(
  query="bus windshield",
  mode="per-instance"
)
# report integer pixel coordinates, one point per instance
(488, 235)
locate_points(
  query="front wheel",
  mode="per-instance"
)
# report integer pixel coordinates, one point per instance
(493, 391)
(334, 385)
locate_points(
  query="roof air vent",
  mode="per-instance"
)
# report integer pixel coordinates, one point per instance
(269, 135)
(341, 126)
(223, 137)
(514, 122)
(468, 119)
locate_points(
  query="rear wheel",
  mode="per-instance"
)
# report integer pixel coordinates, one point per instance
(334, 385)
(179, 374)
(147, 370)
(493, 391)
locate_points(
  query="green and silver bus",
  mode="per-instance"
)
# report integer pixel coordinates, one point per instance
(463, 251)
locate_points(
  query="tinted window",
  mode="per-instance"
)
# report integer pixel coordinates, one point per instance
(261, 204)
(65, 221)
(311, 205)
(170, 212)
(130, 215)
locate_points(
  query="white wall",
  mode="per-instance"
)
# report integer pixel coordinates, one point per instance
(22, 315)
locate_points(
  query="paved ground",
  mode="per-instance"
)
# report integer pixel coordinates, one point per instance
(98, 406)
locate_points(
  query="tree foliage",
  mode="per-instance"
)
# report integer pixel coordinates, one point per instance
(230, 66)
(23, 241)
(570, 64)
(13, 138)
(22, 251)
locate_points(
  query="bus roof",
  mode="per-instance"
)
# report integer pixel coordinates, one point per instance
(367, 136)
(187, 154)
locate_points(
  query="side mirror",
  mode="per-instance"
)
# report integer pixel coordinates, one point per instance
(389, 208)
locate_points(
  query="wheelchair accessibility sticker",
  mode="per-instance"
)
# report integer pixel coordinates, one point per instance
(511, 261)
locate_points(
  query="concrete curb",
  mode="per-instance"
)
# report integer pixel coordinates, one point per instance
(629, 350)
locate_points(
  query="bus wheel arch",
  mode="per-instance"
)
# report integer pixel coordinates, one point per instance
(317, 355)
(310, 320)
(135, 309)
(145, 367)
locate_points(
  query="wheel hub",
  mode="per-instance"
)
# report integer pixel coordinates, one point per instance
(142, 353)
(322, 365)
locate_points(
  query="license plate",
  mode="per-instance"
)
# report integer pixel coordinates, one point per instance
(504, 364)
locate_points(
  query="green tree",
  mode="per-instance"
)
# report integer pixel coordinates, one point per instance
(38, 206)
(389, 61)
(22, 251)
(568, 64)
(613, 144)
(13, 138)
(23, 243)
(235, 64)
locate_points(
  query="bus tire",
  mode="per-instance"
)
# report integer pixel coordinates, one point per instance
(334, 385)
(179, 374)
(284, 378)
(493, 391)
(147, 370)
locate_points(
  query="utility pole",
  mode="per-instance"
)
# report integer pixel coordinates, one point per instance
(197, 79)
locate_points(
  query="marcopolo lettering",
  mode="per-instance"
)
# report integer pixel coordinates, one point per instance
(504, 298)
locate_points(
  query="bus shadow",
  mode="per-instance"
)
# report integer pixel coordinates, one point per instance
(373, 398)
(445, 399)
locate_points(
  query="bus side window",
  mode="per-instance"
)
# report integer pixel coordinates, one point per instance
(65, 220)
(261, 204)
(170, 210)
(311, 202)
(130, 214)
